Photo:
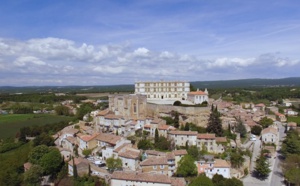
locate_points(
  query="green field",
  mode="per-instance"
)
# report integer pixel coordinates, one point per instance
(11, 162)
(10, 124)
(294, 119)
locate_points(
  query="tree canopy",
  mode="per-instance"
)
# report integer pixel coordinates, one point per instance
(186, 167)
(202, 180)
(265, 122)
(113, 164)
(262, 169)
(214, 122)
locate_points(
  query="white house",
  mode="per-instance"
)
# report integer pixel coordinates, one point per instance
(139, 179)
(270, 135)
(130, 158)
(220, 167)
(181, 138)
(198, 97)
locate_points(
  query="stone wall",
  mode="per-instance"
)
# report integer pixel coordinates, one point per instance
(196, 115)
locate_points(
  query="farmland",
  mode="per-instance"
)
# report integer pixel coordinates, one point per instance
(11, 124)
(294, 119)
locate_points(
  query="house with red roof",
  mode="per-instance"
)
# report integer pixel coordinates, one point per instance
(198, 97)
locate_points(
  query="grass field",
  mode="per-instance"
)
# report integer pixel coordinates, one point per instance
(11, 161)
(10, 124)
(294, 119)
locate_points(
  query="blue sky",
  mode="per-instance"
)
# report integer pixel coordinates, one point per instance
(120, 42)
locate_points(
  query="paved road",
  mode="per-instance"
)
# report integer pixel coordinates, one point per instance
(277, 175)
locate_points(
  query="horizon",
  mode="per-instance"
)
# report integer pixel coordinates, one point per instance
(132, 84)
(101, 43)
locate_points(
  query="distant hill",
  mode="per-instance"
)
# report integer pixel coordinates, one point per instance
(241, 83)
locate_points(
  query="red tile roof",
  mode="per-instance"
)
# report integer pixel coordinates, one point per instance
(108, 138)
(197, 93)
(141, 177)
(130, 153)
(206, 136)
(177, 132)
(180, 152)
(157, 160)
(219, 163)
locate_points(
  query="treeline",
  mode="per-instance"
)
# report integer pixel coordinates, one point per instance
(39, 98)
(291, 151)
(34, 131)
(257, 94)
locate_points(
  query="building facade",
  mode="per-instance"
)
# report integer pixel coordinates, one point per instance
(163, 90)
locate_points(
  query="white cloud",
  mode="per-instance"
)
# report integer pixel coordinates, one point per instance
(142, 52)
(25, 60)
(67, 62)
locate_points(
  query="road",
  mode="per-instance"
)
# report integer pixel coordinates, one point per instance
(275, 178)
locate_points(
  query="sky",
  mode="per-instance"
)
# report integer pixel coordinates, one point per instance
(75, 42)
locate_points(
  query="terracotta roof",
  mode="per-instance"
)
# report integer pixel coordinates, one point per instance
(147, 126)
(183, 132)
(170, 155)
(69, 130)
(206, 136)
(155, 153)
(88, 137)
(197, 93)
(108, 138)
(180, 152)
(141, 177)
(122, 146)
(130, 153)
(221, 139)
(71, 139)
(103, 112)
(178, 182)
(219, 163)
(156, 121)
(112, 116)
(292, 124)
(279, 114)
(166, 127)
(269, 130)
(78, 161)
(158, 160)
(260, 105)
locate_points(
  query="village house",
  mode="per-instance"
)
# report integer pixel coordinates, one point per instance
(211, 166)
(208, 141)
(157, 164)
(178, 155)
(130, 158)
(290, 112)
(198, 97)
(82, 166)
(270, 135)
(280, 117)
(129, 178)
(291, 125)
(164, 129)
(183, 138)
(87, 141)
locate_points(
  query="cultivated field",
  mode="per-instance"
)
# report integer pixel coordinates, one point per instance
(294, 119)
(10, 124)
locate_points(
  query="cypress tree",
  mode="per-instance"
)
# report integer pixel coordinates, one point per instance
(214, 122)
(156, 136)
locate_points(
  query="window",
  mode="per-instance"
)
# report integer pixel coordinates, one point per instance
(162, 166)
(154, 167)
(134, 108)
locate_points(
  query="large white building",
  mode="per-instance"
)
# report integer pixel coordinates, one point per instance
(163, 90)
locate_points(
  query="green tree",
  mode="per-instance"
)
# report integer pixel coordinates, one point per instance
(34, 175)
(187, 127)
(194, 152)
(176, 120)
(186, 166)
(51, 162)
(262, 169)
(291, 145)
(265, 122)
(113, 164)
(84, 109)
(256, 130)
(291, 168)
(240, 128)
(86, 152)
(236, 159)
(201, 180)
(62, 110)
(156, 137)
(163, 143)
(144, 144)
(43, 139)
(37, 153)
(214, 122)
